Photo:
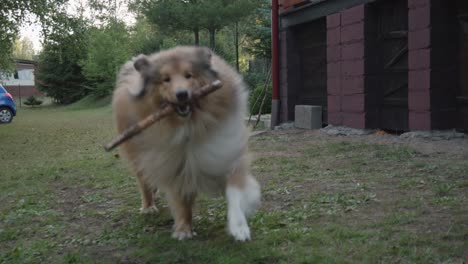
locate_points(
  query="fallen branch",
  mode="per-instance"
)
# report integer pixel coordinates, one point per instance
(158, 115)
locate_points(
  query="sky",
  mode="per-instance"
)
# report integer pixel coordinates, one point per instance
(33, 30)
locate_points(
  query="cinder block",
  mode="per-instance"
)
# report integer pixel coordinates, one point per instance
(333, 53)
(420, 120)
(334, 20)
(334, 69)
(308, 116)
(352, 85)
(333, 36)
(419, 18)
(354, 120)
(352, 33)
(352, 68)
(412, 4)
(419, 59)
(419, 80)
(419, 101)
(334, 85)
(419, 39)
(353, 103)
(353, 51)
(352, 15)
(334, 103)
(335, 118)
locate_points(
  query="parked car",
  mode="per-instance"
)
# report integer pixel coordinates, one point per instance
(7, 106)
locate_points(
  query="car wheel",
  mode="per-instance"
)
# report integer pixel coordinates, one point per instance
(5, 115)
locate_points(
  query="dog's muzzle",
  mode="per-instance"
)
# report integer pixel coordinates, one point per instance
(183, 110)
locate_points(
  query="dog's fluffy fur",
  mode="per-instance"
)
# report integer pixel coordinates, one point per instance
(183, 155)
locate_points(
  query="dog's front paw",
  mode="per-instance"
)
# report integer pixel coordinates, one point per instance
(149, 210)
(183, 234)
(240, 232)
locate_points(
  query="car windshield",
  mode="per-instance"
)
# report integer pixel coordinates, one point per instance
(2, 90)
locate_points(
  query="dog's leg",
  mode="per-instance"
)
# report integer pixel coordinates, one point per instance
(243, 196)
(147, 201)
(181, 208)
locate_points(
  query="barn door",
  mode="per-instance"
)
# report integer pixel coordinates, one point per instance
(388, 39)
(310, 39)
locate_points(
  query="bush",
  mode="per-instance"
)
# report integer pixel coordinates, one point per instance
(257, 96)
(254, 79)
(32, 101)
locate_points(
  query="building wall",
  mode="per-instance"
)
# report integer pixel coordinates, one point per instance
(23, 77)
(434, 60)
(435, 96)
(22, 82)
(345, 58)
(419, 63)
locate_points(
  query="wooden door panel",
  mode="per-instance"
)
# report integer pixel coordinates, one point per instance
(387, 39)
(311, 39)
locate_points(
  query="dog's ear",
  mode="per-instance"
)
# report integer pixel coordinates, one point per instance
(204, 56)
(142, 65)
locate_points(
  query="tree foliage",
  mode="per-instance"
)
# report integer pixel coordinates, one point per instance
(23, 49)
(108, 48)
(32, 101)
(144, 38)
(217, 14)
(82, 57)
(260, 33)
(173, 15)
(59, 73)
(195, 15)
(14, 13)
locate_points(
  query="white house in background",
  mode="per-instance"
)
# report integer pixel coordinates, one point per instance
(22, 82)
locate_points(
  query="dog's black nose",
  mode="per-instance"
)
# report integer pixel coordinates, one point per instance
(182, 95)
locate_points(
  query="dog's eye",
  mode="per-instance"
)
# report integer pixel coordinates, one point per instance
(167, 79)
(188, 75)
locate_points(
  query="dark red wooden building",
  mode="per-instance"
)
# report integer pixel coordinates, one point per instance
(388, 64)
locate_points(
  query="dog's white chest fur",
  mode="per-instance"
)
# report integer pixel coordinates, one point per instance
(190, 163)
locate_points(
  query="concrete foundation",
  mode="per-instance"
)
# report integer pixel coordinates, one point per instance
(275, 105)
(308, 116)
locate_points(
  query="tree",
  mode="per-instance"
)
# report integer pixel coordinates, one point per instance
(217, 14)
(108, 48)
(194, 15)
(260, 34)
(144, 38)
(32, 101)
(59, 73)
(14, 13)
(174, 15)
(23, 49)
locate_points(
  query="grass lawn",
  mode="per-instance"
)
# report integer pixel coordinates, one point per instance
(373, 199)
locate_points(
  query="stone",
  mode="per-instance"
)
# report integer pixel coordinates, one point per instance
(345, 131)
(433, 134)
(308, 116)
(257, 133)
(285, 126)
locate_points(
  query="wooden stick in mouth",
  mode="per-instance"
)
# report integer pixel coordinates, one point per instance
(158, 115)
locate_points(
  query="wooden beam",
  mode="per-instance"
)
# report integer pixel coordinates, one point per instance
(315, 10)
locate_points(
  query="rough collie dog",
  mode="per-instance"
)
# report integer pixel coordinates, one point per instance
(201, 147)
